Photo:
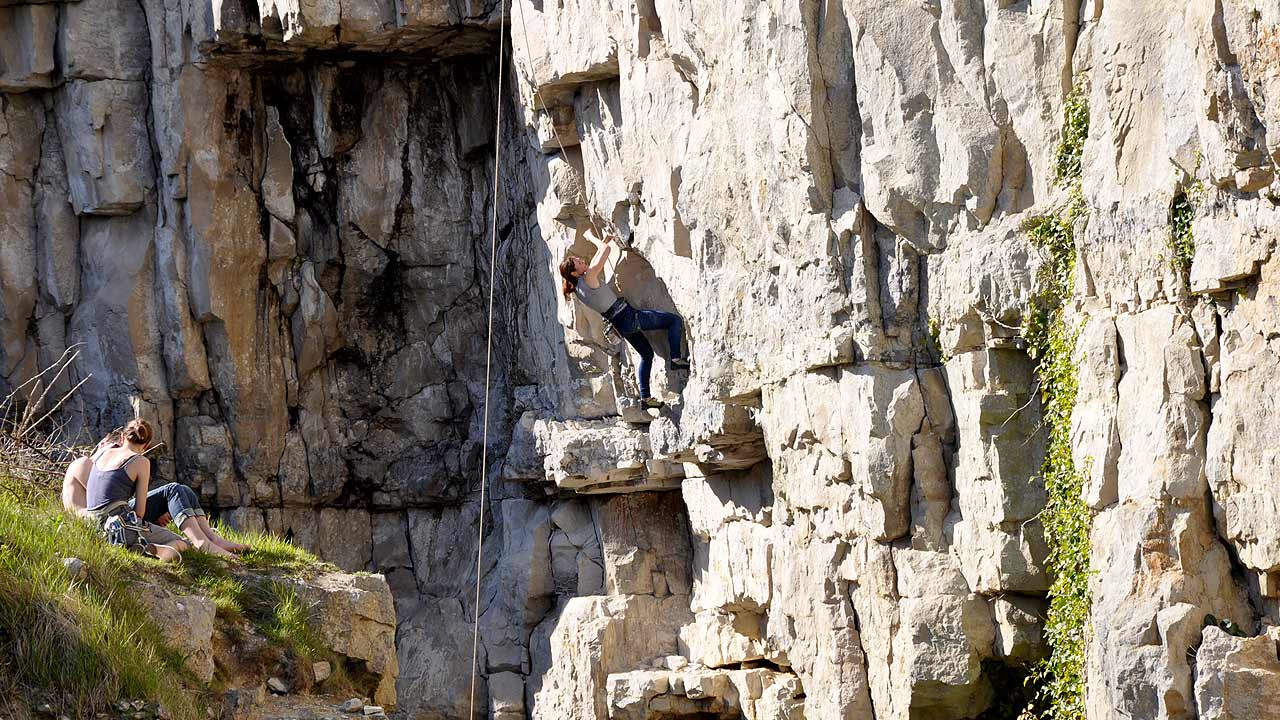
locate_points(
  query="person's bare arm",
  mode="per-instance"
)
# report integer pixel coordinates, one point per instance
(144, 479)
(595, 269)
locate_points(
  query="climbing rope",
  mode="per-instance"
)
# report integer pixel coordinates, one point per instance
(488, 352)
(488, 359)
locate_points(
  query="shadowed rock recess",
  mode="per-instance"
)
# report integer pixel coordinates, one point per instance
(266, 226)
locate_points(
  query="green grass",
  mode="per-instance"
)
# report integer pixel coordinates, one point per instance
(271, 552)
(83, 645)
(79, 645)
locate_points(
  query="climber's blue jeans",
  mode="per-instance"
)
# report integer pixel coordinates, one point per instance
(631, 324)
(180, 501)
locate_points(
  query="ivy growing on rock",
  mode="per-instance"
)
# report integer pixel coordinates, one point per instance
(1051, 339)
(1075, 129)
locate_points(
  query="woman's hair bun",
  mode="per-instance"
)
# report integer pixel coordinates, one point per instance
(138, 432)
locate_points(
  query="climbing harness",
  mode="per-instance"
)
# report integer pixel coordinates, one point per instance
(125, 530)
(488, 359)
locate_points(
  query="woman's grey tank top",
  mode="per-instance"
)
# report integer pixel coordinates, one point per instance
(107, 486)
(599, 299)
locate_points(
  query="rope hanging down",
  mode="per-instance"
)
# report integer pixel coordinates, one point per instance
(488, 356)
(488, 352)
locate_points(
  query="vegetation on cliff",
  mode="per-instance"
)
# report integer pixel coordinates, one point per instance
(1051, 339)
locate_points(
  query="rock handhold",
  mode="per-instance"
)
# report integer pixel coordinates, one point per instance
(1236, 678)
(277, 686)
(322, 671)
(353, 705)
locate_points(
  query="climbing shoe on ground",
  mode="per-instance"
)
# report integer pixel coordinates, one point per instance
(651, 403)
(679, 364)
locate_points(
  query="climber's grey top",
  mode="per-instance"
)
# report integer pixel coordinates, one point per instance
(599, 299)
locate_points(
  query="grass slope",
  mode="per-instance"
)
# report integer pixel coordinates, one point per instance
(83, 645)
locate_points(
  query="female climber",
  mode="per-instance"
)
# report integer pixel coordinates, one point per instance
(115, 496)
(587, 281)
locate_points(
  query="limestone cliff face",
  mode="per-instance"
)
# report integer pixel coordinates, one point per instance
(267, 225)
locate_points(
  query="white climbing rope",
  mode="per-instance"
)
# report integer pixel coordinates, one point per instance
(488, 359)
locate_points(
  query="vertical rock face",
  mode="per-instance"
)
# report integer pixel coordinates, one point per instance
(265, 226)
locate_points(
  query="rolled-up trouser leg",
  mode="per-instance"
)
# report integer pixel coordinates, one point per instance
(174, 498)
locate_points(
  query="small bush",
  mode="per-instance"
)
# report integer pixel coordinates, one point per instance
(1182, 244)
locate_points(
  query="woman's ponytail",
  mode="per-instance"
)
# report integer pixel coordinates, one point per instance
(138, 432)
(568, 280)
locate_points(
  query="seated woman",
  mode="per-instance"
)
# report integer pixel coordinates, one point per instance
(115, 482)
(586, 280)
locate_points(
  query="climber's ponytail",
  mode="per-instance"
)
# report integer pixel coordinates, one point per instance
(568, 279)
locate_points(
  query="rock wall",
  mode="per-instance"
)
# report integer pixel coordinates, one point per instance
(267, 224)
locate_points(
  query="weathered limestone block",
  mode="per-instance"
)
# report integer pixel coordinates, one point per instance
(1095, 437)
(116, 321)
(57, 230)
(566, 195)
(315, 324)
(702, 693)
(356, 618)
(931, 489)
(1158, 570)
(1233, 240)
(980, 285)
(844, 438)
(590, 638)
(584, 49)
(917, 189)
(277, 171)
(1019, 626)
(717, 638)
(204, 458)
(27, 37)
(21, 120)
(944, 632)
(576, 560)
(645, 544)
(732, 569)
(524, 572)
(374, 179)
(997, 538)
(714, 501)
(1240, 448)
(1163, 445)
(812, 627)
(104, 40)
(597, 457)
(434, 660)
(186, 623)
(713, 434)
(1237, 678)
(103, 128)
(249, 353)
(344, 537)
(443, 548)
(506, 696)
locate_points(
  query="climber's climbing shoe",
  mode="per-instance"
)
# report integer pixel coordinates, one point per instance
(651, 403)
(679, 364)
